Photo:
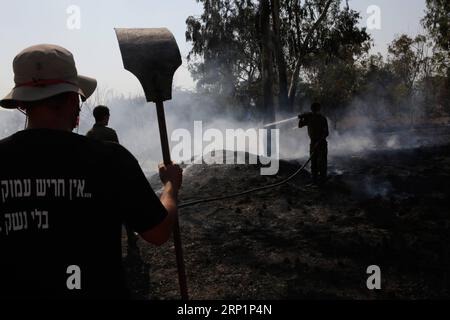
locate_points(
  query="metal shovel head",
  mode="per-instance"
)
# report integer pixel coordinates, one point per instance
(153, 56)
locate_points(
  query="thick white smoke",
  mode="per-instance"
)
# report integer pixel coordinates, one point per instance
(136, 124)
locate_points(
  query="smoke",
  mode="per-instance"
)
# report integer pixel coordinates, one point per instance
(11, 121)
(136, 124)
(369, 187)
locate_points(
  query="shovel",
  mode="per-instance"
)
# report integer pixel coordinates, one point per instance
(152, 55)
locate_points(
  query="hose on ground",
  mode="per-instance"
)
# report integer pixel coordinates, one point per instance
(234, 195)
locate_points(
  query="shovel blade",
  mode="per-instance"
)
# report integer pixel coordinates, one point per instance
(153, 56)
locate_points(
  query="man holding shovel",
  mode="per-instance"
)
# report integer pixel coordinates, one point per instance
(64, 197)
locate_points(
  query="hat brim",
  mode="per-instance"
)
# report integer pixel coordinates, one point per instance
(86, 87)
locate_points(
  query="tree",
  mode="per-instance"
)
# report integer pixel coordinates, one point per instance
(332, 67)
(375, 92)
(283, 98)
(303, 46)
(267, 61)
(404, 61)
(231, 47)
(437, 22)
(414, 65)
(225, 55)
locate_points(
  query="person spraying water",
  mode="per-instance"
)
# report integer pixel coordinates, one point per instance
(318, 132)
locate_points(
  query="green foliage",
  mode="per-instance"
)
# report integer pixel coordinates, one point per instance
(407, 83)
(437, 22)
(332, 68)
(226, 53)
(336, 67)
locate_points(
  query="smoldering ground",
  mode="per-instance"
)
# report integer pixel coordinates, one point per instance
(386, 208)
(384, 204)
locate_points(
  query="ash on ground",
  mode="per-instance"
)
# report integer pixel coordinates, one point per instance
(297, 241)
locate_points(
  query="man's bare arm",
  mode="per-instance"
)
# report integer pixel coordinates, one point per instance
(171, 177)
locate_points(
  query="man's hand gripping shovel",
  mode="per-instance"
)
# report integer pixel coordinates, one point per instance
(153, 56)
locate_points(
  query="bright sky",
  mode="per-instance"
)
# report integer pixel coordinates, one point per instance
(95, 47)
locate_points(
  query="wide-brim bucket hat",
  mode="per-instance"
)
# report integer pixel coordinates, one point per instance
(43, 71)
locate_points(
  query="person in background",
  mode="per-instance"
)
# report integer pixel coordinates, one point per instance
(102, 132)
(318, 132)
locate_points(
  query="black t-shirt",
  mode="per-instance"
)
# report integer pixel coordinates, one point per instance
(63, 199)
(103, 133)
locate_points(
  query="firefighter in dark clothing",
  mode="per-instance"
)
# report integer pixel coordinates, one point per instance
(102, 132)
(318, 132)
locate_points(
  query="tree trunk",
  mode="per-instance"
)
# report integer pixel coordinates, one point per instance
(281, 62)
(302, 51)
(294, 82)
(447, 88)
(267, 61)
(267, 69)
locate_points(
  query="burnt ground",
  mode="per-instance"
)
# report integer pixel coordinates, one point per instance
(388, 208)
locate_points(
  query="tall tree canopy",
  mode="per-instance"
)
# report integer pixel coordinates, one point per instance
(262, 57)
(437, 21)
(230, 37)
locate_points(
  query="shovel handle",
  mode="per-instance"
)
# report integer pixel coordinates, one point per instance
(176, 228)
(163, 133)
